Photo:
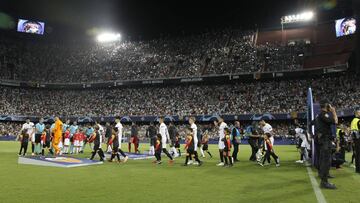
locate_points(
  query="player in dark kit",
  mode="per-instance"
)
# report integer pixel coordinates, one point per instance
(24, 140)
(190, 148)
(158, 149)
(114, 141)
(96, 138)
(205, 143)
(177, 144)
(227, 150)
(46, 139)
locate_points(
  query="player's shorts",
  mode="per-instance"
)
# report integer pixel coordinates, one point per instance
(60, 145)
(177, 144)
(205, 147)
(37, 138)
(81, 143)
(221, 145)
(76, 143)
(96, 147)
(163, 141)
(67, 142)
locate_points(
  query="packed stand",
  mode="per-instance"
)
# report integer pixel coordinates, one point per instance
(215, 52)
(241, 98)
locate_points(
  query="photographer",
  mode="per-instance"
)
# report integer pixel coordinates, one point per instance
(355, 126)
(323, 125)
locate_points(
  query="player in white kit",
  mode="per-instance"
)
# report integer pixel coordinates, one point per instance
(119, 128)
(164, 138)
(221, 125)
(29, 127)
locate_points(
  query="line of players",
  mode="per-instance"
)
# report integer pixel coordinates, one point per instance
(75, 139)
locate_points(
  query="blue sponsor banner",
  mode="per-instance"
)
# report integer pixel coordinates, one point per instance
(199, 118)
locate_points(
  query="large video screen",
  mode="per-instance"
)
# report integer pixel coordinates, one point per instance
(345, 26)
(31, 26)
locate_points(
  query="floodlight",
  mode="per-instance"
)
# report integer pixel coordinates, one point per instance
(108, 37)
(301, 17)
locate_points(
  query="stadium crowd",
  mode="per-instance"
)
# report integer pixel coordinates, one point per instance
(242, 98)
(217, 52)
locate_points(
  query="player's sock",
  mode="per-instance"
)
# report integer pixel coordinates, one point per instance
(101, 154)
(136, 147)
(225, 159)
(25, 149)
(186, 160)
(21, 147)
(209, 153)
(118, 156)
(196, 157)
(202, 152)
(122, 153)
(129, 147)
(43, 152)
(179, 152)
(92, 155)
(112, 156)
(32, 147)
(167, 154)
(230, 160)
(221, 156)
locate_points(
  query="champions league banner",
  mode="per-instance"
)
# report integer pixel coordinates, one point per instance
(148, 119)
(176, 119)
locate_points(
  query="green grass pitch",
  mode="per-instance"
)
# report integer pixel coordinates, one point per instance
(142, 181)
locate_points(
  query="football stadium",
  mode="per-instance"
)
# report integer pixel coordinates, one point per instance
(179, 101)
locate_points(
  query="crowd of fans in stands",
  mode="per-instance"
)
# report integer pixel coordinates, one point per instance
(284, 96)
(220, 52)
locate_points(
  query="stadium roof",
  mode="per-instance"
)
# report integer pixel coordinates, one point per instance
(149, 19)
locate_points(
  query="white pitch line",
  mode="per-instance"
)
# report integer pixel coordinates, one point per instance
(319, 195)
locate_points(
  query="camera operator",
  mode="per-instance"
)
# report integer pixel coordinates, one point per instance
(355, 127)
(325, 120)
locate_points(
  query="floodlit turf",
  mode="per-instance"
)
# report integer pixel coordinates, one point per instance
(141, 181)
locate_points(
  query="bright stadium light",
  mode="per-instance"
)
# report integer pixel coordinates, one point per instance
(108, 37)
(301, 17)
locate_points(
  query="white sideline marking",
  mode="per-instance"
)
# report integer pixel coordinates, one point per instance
(319, 195)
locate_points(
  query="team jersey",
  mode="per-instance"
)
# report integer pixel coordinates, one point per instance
(195, 131)
(222, 126)
(67, 134)
(73, 129)
(89, 132)
(29, 127)
(65, 126)
(119, 126)
(189, 142)
(163, 132)
(227, 142)
(115, 141)
(39, 128)
(267, 128)
(158, 145)
(101, 130)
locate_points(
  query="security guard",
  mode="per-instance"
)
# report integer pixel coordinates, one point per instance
(325, 120)
(355, 127)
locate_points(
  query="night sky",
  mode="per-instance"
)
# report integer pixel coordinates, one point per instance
(149, 19)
